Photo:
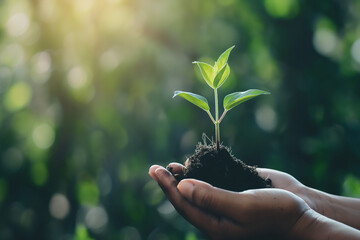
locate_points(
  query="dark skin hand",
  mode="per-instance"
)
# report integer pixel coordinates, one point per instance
(253, 214)
(342, 209)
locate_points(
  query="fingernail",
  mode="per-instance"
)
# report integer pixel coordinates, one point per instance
(150, 169)
(186, 189)
(153, 168)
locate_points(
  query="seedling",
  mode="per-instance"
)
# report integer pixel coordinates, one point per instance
(215, 76)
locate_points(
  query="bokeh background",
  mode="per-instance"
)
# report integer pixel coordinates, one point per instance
(86, 105)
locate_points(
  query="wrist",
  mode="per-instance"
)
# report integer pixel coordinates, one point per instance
(318, 201)
(321, 202)
(341, 209)
(314, 226)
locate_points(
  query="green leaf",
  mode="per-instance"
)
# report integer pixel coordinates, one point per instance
(198, 100)
(222, 60)
(207, 71)
(221, 76)
(234, 99)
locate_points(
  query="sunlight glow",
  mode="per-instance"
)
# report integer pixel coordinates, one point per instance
(18, 96)
(109, 60)
(43, 136)
(84, 6)
(325, 41)
(96, 218)
(17, 24)
(266, 118)
(59, 206)
(355, 50)
(41, 65)
(77, 77)
(43, 62)
(47, 10)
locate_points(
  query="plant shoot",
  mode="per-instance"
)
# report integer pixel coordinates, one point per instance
(215, 76)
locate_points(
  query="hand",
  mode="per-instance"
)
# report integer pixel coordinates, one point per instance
(342, 209)
(222, 214)
(279, 180)
(287, 182)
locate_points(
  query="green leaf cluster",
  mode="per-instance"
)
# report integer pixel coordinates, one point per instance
(215, 76)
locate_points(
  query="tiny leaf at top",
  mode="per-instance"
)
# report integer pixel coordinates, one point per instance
(195, 99)
(207, 71)
(222, 60)
(234, 99)
(221, 76)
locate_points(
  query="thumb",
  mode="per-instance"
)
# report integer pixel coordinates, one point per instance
(186, 188)
(212, 199)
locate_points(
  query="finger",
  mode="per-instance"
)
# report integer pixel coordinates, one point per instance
(168, 184)
(218, 201)
(279, 179)
(205, 222)
(243, 207)
(186, 162)
(152, 170)
(269, 173)
(263, 172)
(176, 168)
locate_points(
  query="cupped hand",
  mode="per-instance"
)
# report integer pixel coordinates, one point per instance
(279, 180)
(287, 182)
(221, 214)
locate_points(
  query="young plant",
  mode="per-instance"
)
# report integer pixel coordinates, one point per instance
(215, 76)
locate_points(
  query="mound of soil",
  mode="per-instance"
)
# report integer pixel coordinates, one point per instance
(221, 169)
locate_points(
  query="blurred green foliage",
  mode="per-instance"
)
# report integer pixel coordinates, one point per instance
(81, 233)
(351, 186)
(86, 108)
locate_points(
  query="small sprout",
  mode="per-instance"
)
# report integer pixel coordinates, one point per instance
(215, 76)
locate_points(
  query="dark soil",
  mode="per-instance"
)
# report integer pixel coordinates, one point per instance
(221, 169)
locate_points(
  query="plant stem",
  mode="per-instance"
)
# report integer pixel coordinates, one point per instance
(211, 117)
(217, 128)
(217, 131)
(222, 116)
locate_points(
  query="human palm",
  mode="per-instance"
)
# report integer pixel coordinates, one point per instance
(281, 212)
(220, 214)
(279, 180)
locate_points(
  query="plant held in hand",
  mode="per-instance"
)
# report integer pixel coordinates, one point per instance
(215, 76)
